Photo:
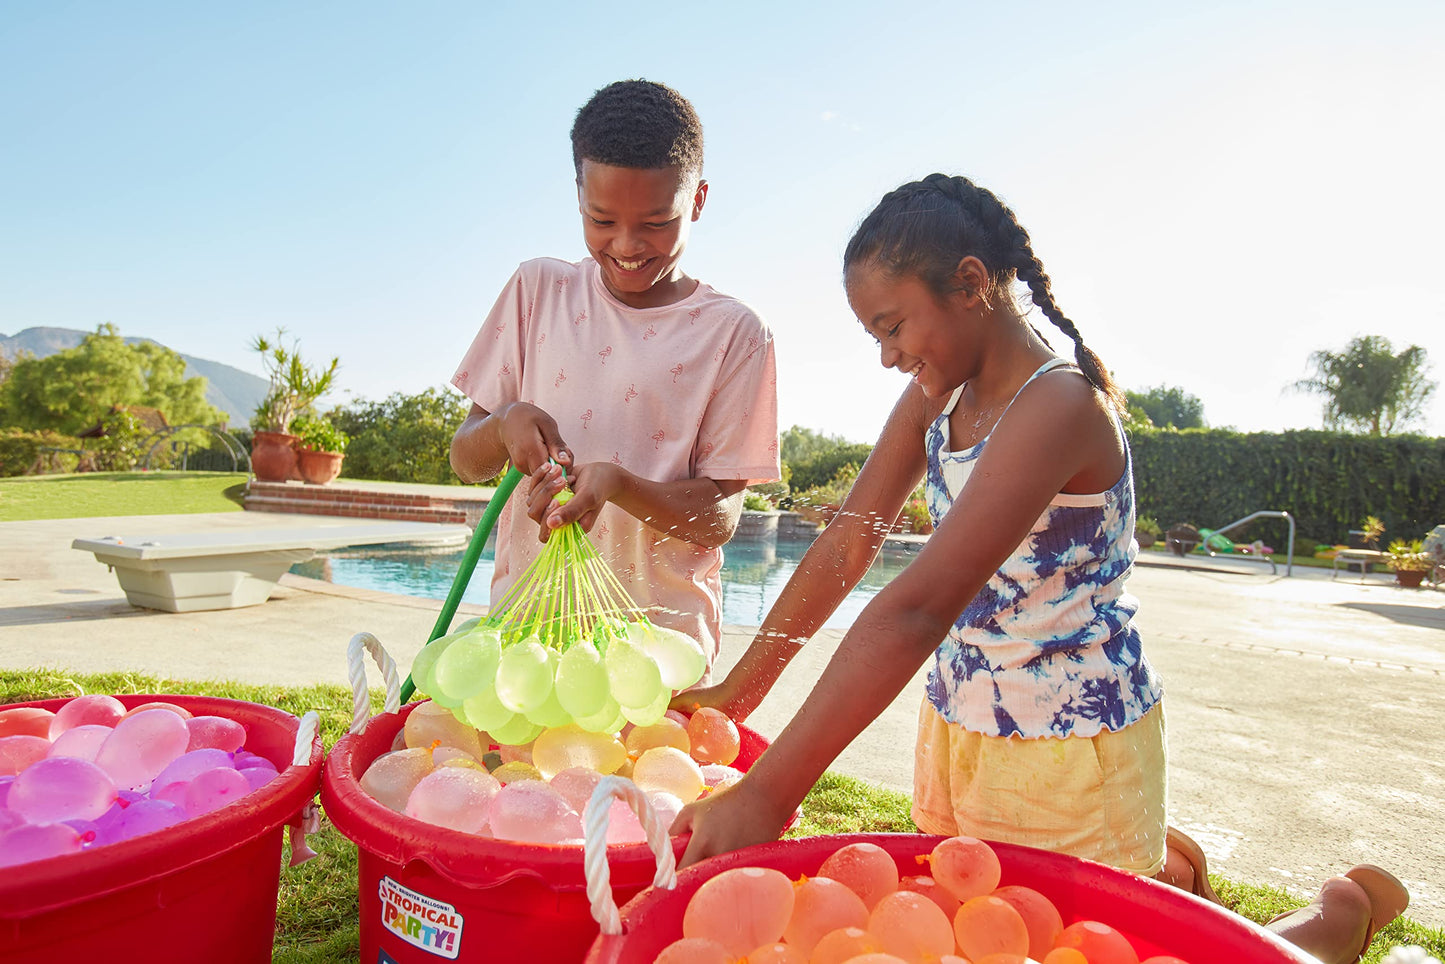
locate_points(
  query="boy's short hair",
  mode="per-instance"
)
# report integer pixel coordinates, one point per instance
(638, 124)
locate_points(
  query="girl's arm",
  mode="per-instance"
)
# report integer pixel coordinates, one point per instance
(1056, 434)
(833, 564)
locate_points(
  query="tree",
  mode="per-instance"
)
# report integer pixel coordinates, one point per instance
(1368, 387)
(799, 444)
(405, 438)
(1168, 407)
(73, 389)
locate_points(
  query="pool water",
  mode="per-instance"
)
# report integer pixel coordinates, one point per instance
(753, 575)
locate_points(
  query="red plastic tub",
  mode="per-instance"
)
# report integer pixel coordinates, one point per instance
(429, 893)
(203, 891)
(1157, 918)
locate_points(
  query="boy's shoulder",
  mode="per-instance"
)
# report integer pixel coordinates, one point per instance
(548, 269)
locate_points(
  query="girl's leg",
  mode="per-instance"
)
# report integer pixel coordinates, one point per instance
(1185, 866)
(1338, 925)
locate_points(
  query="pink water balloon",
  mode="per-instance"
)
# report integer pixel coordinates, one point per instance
(61, 788)
(90, 710)
(244, 759)
(143, 817)
(576, 785)
(37, 841)
(530, 811)
(180, 711)
(191, 764)
(82, 742)
(19, 751)
(257, 777)
(9, 819)
(455, 797)
(215, 789)
(141, 745)
(215, 732)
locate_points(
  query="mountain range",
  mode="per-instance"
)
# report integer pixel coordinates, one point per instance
(233, 391)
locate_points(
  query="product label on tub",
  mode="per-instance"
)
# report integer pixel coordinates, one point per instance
(433, 926)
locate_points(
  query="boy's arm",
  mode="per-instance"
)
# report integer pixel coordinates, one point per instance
(701, 511)
(517, 432)
(832, 566)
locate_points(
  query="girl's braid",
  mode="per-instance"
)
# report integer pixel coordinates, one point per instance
(1011, 251)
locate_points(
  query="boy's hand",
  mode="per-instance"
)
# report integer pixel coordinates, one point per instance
(726, 820)
(593, 486)
(532, 438)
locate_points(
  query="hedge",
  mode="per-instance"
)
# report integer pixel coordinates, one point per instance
(1328, 481)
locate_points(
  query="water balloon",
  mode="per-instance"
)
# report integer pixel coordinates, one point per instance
(1041, 917)
(141, 745)
(669, 769)
(965, 866)
(741, 908)
(581, 681)
(524, 676)
(90, 710)
(453, 797)
(26, 721)
(990, 925)
(911, 926)
(61, 788)
(37, 841)
(432, 723)
(392, 776)
(82, 742)
(19, 751)
(820, 905)
(530, 811)
(215, 732)
(714, 736)
(1098, 942)
(866, 868)
(213, 790)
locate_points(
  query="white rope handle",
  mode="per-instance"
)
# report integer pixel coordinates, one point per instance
(594, 847)
(356, 672)
(305, 736)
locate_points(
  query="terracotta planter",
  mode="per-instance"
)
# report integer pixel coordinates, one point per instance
(272, 457)
(318, 468)
(1410, 578)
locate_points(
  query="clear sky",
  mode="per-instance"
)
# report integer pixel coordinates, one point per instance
(1216, 192)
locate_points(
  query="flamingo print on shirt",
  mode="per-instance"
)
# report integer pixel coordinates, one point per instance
(605, 353)
(676, 371)
(694, 314)
(631, 393)
(651, 332)
(616, 459)
(657, 438)
(586, 418)
(500, 328)
(581, 317)
(561, 377)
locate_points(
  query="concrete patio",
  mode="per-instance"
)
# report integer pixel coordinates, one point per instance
(1304, 714)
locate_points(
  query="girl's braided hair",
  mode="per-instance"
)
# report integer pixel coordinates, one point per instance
(925, 228)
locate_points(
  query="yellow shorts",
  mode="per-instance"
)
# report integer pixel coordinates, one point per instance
(1101, 797)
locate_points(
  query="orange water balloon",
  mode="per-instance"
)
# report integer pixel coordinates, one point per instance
(911, 926)
(694, 950)
(866, 868)
(930, 888)
(1064, 955)
(820, 905)
(26, 721)
(714, 736)
(1040, 916)
(1164, 959)
(965, 866)
(1100, 943)
(741, 908)
(776, 953)
(990, 925)
(843, 944)
(877, 957)
(1001, 958)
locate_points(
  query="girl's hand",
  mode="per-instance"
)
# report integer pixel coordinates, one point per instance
(725, 820)
(720, 696)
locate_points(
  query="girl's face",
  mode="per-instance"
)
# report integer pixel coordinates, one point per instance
(635, 223)
(915, 331)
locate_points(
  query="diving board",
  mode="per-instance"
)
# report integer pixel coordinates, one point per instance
(182, 572)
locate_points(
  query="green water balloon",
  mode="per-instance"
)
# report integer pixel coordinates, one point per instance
(609, 719)
(518, 731)
(679, 657)
(469, 664)
(582, 686)
(484, 711)
(632, 674)
(650, 714)
(524, 676)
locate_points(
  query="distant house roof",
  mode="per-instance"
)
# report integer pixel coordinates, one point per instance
(151, 418)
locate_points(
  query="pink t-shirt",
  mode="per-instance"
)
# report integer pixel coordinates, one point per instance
(687, 390)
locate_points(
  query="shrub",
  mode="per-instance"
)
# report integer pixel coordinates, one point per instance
(832, 492)
(318, 434)
(405, 438)
(756, 501)
(21, 452)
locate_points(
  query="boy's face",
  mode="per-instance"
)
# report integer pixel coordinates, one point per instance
(635, 223)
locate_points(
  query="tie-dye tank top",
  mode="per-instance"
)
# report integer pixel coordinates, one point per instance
(1047, 648)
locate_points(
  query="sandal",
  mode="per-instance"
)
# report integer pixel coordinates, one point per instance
(1388, 900)
(1177, 840)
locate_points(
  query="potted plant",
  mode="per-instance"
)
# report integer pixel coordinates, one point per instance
(1147, 531)
(294, 386)
(320, 449)
(1409, 562)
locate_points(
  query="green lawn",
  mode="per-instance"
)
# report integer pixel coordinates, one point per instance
(119, 493)
(317, 913)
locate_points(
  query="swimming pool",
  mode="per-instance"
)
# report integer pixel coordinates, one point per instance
(753, 575)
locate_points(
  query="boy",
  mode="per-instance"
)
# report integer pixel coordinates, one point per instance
(654, 395)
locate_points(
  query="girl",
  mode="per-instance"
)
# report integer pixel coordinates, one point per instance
(1042, 723)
